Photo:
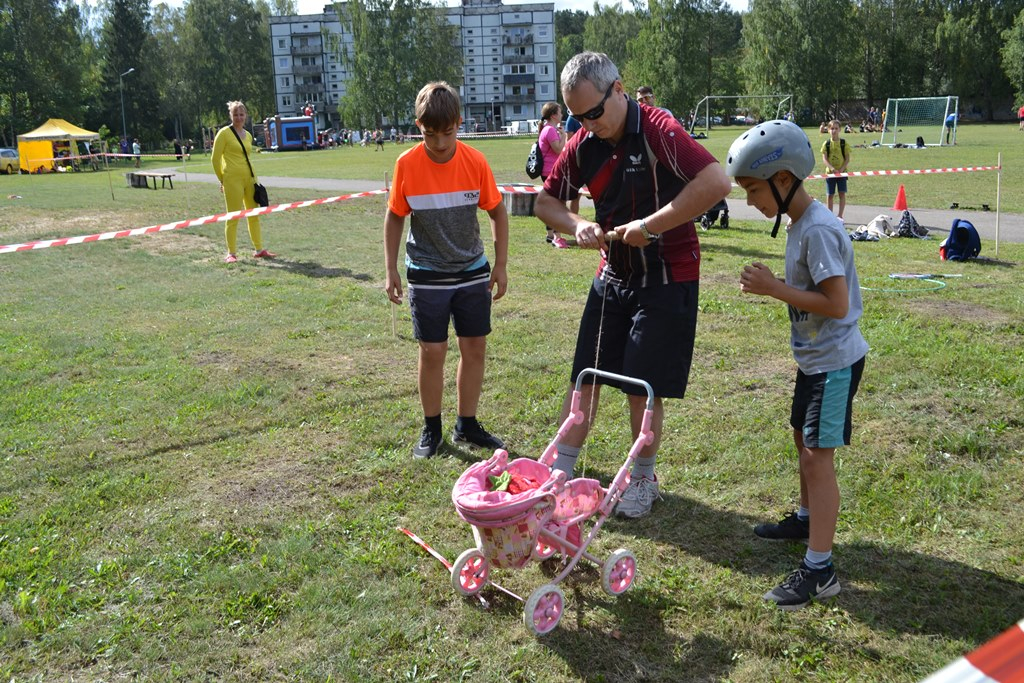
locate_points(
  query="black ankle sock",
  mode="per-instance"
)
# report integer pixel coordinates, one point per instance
(462, 423)
(433, 423)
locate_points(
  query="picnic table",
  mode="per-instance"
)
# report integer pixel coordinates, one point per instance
(141, 178)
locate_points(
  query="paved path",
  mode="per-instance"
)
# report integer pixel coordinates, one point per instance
(1011, 226)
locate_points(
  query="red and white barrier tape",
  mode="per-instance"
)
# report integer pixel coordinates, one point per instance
(512, 189)
(205, 220)
(917, 171)
(1000, 660)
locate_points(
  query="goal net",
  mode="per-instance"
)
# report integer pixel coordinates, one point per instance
(737, 110)
(909, 118)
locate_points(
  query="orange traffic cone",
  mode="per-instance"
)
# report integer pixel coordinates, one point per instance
(901, 200)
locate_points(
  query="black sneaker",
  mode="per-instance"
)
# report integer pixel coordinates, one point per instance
(803, 585)
(789, 528)
(476, 435)
(429, 442)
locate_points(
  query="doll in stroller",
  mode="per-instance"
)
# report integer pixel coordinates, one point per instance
(523, 510)
(707, 221)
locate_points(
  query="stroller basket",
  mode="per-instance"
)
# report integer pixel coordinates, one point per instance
(506, 525)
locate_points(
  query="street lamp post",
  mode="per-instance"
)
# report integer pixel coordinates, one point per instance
(120, 80)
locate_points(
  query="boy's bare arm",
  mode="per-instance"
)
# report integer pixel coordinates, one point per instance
(393, 228)
(831, 300)
(499, 233)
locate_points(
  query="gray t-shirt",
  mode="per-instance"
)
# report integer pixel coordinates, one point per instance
(817, 248)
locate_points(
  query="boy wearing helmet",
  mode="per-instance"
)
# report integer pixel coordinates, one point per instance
(770, 162)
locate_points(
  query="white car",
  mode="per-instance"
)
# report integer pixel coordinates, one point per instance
(9, 162)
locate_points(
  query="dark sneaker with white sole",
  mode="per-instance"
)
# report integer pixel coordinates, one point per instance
(430, 440)
(475, 435)
(803, 585)
(789, 528)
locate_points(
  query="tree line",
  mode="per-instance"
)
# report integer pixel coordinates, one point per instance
(177, 66)
(823, 52)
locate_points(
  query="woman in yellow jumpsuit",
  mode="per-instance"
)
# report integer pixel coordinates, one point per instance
(237, 180)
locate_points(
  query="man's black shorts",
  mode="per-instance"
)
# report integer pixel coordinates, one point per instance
(646, 333)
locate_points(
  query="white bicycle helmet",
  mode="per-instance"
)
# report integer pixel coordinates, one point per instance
(768, 148)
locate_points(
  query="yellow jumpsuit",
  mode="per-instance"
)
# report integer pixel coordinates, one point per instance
(233, 173)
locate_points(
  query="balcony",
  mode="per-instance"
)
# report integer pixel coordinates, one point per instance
(519, 79)
(526, 39)
(520, 99)
(307, 49)
(299, 69)
(509, 58)
(303, 89)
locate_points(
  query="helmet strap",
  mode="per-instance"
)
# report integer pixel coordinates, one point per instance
(782, 203)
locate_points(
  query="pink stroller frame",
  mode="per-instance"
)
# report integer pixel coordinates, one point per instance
(512, 529)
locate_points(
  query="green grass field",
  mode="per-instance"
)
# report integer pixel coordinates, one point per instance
(202, 466)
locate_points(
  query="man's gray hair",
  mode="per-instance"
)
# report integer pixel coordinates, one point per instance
(594, 67)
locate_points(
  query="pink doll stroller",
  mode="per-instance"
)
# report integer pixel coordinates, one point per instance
(540, 514)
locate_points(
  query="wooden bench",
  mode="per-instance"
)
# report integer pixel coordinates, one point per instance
(141, 178)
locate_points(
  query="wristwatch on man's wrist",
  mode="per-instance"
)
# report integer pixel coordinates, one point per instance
(648, 235)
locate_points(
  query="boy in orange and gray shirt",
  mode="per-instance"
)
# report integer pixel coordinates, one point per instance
(440, 183)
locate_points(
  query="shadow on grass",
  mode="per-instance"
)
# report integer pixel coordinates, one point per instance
(885, 587)
(634, 648)
(316, 270)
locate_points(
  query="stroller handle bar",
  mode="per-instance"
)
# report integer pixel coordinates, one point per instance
(617, 378)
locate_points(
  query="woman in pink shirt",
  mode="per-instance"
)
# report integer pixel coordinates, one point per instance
(552, 140)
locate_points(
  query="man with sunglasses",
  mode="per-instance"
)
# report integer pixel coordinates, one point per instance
(645, 95)
(648, 179)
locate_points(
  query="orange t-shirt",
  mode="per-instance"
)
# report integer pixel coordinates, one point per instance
(444, 231)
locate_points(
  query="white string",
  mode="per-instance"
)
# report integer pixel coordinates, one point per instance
(597, 366)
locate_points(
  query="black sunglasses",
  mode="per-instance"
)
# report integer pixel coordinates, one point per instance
(598, 111)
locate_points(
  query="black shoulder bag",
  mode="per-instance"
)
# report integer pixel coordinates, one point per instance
(259, 192)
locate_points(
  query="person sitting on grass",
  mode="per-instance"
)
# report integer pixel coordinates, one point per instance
(441, 182)
(821, 289)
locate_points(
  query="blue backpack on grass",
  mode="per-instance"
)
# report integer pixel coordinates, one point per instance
(963, 243)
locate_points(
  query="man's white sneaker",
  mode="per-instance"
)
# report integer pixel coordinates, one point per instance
(638, 498)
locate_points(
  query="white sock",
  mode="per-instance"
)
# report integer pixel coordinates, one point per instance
(566, 460)
(643, 467)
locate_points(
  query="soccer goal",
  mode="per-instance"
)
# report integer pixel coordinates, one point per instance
(908, 118)
(738, 110)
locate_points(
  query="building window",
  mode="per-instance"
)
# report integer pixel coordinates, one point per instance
(283, 62)
(286, 100)
(280, 43)
(286, 82)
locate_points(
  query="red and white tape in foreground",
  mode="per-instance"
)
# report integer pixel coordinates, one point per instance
(915, 171)
(205, 220)
(1000, 660)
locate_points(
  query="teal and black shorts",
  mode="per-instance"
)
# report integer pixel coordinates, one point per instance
(823, 406)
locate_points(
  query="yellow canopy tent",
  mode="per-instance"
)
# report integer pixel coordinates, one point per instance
(37, 148)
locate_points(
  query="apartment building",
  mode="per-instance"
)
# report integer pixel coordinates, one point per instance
(508, 54)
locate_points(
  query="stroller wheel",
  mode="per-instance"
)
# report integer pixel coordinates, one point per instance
(619, 572)
(470, 572)
(544, 609)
